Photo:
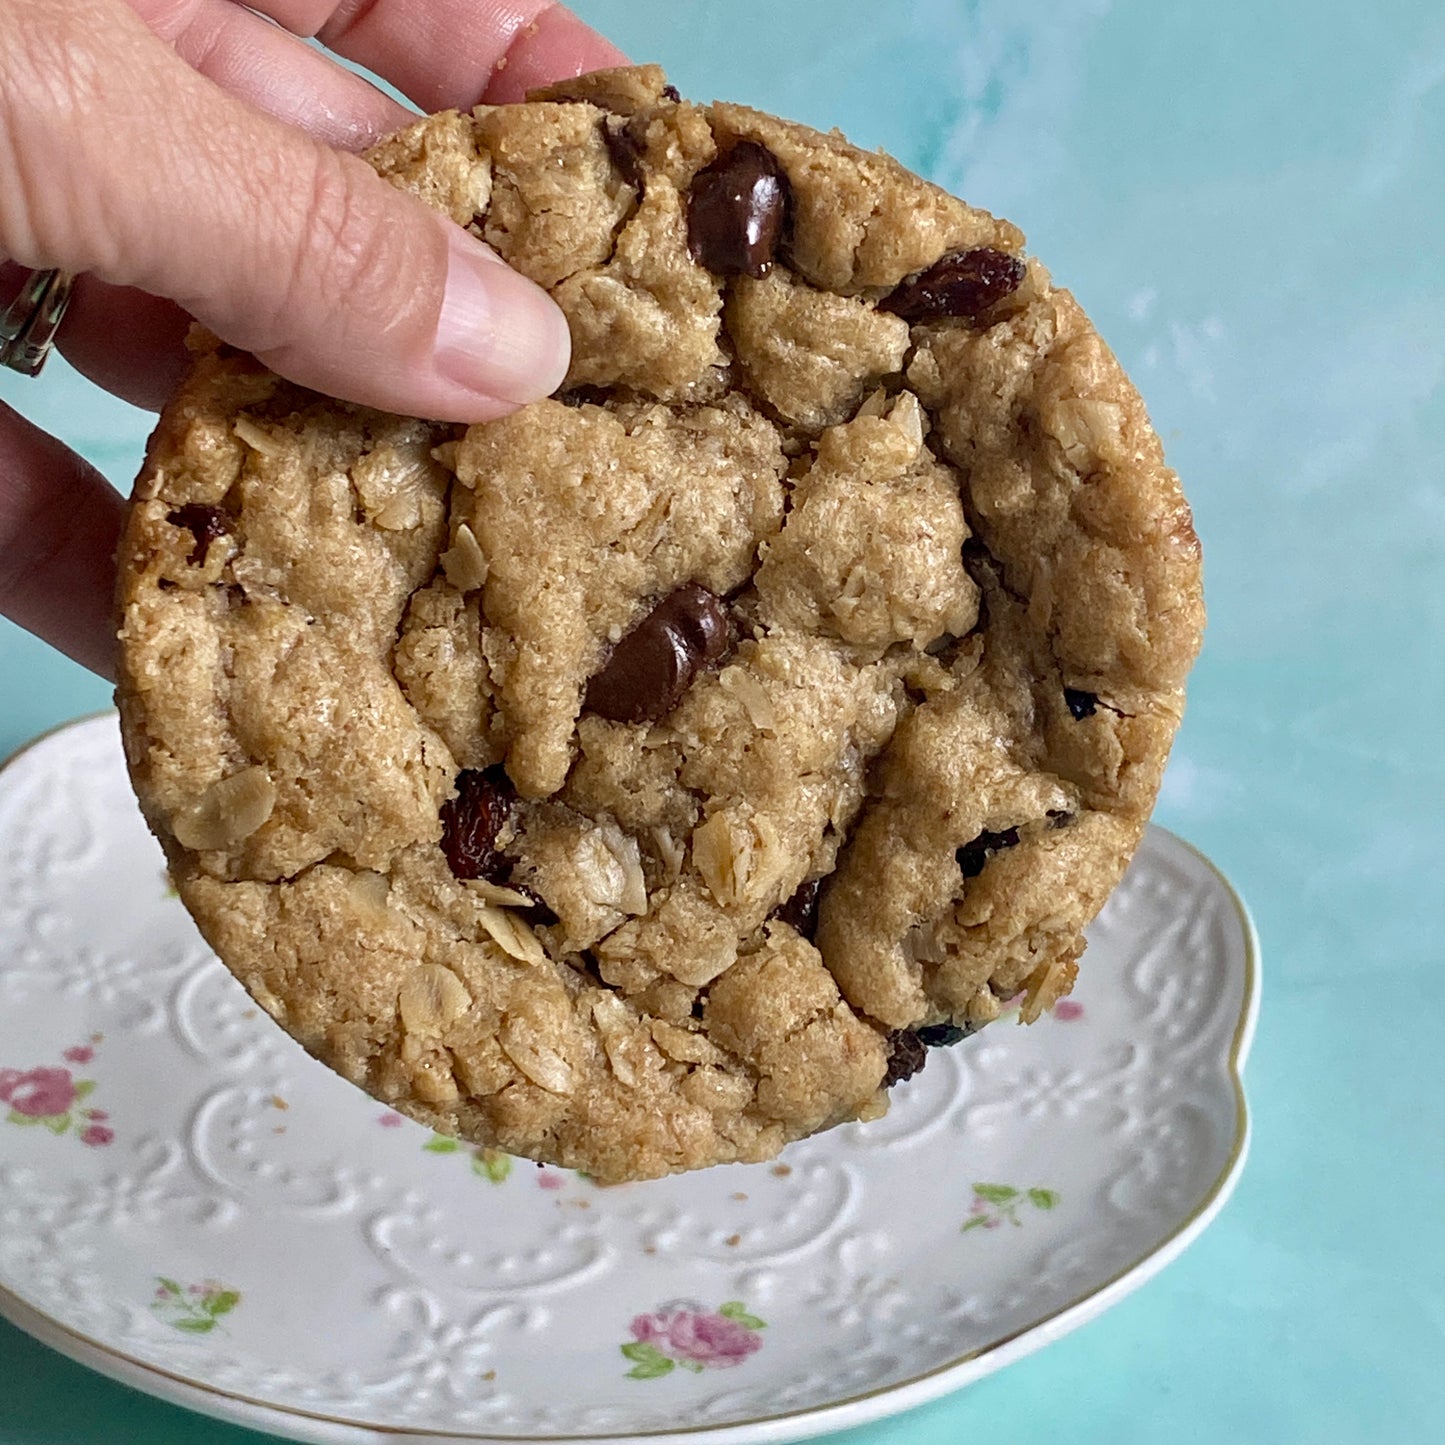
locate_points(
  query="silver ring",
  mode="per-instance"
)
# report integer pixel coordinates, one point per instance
(28, 327)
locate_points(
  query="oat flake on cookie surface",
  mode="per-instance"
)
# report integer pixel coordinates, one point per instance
(649, 778)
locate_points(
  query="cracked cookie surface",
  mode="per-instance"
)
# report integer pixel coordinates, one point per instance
(646, 779)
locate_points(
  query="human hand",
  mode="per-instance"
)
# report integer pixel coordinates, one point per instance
(192, 159)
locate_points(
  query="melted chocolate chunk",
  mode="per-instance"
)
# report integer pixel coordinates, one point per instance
(654, 665)
(938, 1036)
(906, 1056)
(205, 524)
(964, 283)
(736, 211)
(800, 912)
(1081, 704)
(625, 147)
(972, 856)
(473, 821)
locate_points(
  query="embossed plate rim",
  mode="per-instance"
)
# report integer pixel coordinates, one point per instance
(843, 1413)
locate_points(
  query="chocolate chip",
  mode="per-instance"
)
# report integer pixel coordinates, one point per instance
(964, 283)
(205, 524)
(1081, 704)
(473, 821)
(672, 93)
(651, 668)
(736, 211)
(625, 147)
(972, 856)
(938, 1036)
(800, 912)
(906, 1056)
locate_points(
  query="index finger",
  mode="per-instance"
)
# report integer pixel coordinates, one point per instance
(452, 53)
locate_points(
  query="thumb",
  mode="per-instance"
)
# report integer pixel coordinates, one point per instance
(118, 159)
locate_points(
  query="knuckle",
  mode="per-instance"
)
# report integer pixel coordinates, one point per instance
(62, 62)
(43, 82)
(353, 256)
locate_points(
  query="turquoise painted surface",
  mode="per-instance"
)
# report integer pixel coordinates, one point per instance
(1249, 200)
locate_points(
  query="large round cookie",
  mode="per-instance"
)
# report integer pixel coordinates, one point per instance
(648, 778)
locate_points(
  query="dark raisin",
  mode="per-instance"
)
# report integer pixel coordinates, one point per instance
(625, 147)
(1060, 817)
(906, 1056)
(654, 665)
(964, 283)
(938, 1036)
(672, 93)
(205, 524)
(1081, 704)
(585, 395)
(736, 211)
(972, 856)
(800, 912)
(473, 821)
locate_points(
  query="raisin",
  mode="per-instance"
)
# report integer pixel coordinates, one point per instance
(800, 912)
(625, 148)
(473, 821)
(972, 856)
(584, 395)
(205, 524)
(938, 1036)
(737, 209)
(654, 665)
(1081, 704)
(963, 283)
(906, 1056)
(672, 93)
(1059, 817)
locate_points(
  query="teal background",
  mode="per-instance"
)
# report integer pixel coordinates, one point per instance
(1248, 199)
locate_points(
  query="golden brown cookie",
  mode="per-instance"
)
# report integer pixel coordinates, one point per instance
(646, 779)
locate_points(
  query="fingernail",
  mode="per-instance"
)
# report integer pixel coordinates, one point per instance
(498, 334)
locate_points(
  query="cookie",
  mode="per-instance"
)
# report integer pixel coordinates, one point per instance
(653, 776)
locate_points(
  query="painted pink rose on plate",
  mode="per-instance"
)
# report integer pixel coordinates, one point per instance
(38, 1093)
(50, 1097)
(685, 1334)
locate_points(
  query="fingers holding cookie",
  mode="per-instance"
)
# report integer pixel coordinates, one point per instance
(452, 53)
(59, 524)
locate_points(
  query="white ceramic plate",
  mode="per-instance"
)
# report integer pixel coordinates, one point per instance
(190, 1204)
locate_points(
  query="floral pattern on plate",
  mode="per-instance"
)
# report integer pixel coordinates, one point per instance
(49, 1096)
(996, 1204)
(194, 1309)
(684, 1334)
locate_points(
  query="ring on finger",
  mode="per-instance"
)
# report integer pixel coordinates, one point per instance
(30, 322)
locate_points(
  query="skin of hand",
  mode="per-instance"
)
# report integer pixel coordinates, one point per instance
(195, 159)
